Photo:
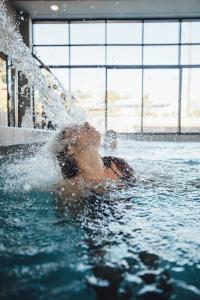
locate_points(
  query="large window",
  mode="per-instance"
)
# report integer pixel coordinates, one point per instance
(129, 76)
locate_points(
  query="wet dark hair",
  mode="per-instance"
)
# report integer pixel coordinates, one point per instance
(67, 164)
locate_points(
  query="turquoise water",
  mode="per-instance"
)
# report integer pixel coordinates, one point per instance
(140, 243)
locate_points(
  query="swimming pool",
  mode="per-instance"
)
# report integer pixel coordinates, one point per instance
(141, 243)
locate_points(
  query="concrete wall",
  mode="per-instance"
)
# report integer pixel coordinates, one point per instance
(13, 136)
(25, 27)
(24, 98)
(24, 23)
(22, 19)
(11, 11)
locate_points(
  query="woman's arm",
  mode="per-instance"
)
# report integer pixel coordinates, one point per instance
(119, 165)
(125, 169)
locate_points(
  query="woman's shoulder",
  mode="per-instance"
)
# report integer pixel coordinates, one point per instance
(75, 189)
(71, 188)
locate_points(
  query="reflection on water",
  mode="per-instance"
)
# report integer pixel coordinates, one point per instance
(141, 243)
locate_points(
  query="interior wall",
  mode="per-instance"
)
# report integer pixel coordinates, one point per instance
(111, 8)
(24, 95)
(24, 24)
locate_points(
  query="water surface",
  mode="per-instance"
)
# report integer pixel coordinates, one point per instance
(140, 243)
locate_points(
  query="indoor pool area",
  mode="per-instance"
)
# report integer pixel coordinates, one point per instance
(99, 150)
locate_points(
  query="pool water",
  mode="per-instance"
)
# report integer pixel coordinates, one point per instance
(139, 243)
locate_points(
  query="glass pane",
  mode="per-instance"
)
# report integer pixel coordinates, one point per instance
(127, 55)
(190, 55)
(40, 117)
(190, 107)
(124, 33)
(87, 55)
(190, 32)
(12, 94)
(53, 55)
(87, 33)
(88, 90)
(124, 100)
(161, 32)
(47, 34)
(63, 77)
(160, 100)
(160, 55)
(3, 93)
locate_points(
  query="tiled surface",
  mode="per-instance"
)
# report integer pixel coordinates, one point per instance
(6, 136)
(29, 136)
(19, 136)
(14, 136)
(41, 135)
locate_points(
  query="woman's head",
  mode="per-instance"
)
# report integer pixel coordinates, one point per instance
(71, 143)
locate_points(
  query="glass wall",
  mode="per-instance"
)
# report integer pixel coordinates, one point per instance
(160, 100)
(124, 100)
(12, 95)
(8, 92)
(129, 76)
(89, 94)
(190, 108)
(190, 97)
(3, 92)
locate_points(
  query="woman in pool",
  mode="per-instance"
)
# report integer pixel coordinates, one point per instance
(83, 169)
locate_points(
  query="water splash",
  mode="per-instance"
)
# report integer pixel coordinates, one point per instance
(57, 105)
(38, 171)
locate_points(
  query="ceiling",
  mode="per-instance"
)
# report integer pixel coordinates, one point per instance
(109, 8)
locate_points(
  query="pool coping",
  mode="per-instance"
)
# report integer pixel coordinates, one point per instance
(26, 149)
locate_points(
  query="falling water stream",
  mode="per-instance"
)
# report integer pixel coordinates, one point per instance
(57, 105)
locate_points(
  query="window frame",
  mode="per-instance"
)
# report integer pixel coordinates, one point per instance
(142, 66)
